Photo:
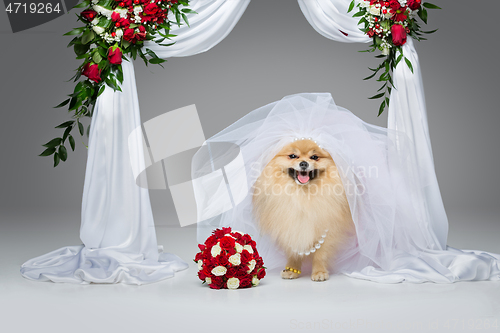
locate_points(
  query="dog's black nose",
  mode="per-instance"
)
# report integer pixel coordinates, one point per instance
(304, 164)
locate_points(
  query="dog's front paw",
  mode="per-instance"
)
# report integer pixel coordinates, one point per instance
(289, 275)
(320, 276)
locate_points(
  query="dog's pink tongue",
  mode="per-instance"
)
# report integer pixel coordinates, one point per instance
(303, 177)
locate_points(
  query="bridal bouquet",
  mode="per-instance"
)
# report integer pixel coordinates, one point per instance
(229, 260)
(389, 23)
(112, 31)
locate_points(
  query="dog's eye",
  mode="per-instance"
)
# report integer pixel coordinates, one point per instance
(314, 157)
(292, 156)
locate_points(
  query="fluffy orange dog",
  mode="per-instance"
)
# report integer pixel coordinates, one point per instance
(299, 200)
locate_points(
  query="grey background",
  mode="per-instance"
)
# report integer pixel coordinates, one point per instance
(272, 52)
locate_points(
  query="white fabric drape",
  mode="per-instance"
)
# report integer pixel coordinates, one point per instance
(117, 230)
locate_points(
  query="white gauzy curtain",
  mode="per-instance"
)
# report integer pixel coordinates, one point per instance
(117, 229)
(407, 114)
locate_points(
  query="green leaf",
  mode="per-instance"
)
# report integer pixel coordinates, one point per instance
(81, 49)
(66, 124)
(157, 61)
(399, 59)
(83, 4)
(188, 11)
(48, 152)
(97, 57)
(422, 13)
(430, 32)
(56, 159)
(359, 14)
(381, 109)
(87, 37)
(371, 76)
(184, 17)
(377, 96)
(62, 104)
(431, 6)
(408, 62)
(101, 90)
(75, 31)
(88, 131)
(66, 133)
(351, 6)
(80, 128)
(53, 143)
(72, 142)
(63, 153)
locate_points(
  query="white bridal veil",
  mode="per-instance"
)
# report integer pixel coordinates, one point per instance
(395, 224)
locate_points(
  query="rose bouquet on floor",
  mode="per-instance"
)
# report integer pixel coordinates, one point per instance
(229, 260)
(113, 31)
(389, 23)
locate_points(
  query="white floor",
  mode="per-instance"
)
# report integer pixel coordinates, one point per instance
(182, 304)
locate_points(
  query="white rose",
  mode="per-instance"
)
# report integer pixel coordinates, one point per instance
(235, 259)
(229, 235)
(233, 283)
(215, 250)
(364, 4)
(119, 33)
(255, 280)
(99, 30)
(200, 265)
(122, 11)
(208, 280)
(238, 247)
(374, 10)
(95, 21)
(104, 11)
(251, 265)
(219, 270)
(248, 248)
(388, 15)
(385, 51)
(137, 9)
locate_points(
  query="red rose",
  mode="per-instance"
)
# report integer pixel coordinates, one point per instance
(115, 56)
(246, 282)
(245, 257)
(115, 16)
(92, 71)
(198, 256)
(261, 273)
(399, 15)
(241, 272)
(151, 9)
(124, 23)
(231, 272)
(201, 275)
(221, 260)
(217, 282)
(227, 242)
(218, 233)
(211, 241)
(129, 35)
(398, 34)
(414, 4)
(201, 247)
(89, 14)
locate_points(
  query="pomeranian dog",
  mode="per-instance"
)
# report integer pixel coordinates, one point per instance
(300, 202)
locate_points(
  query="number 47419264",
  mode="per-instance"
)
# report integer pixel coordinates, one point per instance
(32, 8)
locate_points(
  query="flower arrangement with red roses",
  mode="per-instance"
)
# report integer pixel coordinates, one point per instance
(389, 23)
(229, 260)
(113, 30)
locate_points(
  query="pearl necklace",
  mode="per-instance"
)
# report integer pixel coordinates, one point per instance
(316, 246)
